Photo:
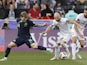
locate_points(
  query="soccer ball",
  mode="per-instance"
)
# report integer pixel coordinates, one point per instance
(63, 55)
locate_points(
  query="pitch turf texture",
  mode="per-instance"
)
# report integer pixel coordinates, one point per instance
(40, 58)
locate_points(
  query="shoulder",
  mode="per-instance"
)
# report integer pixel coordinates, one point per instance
(81, 14)
(30, 22)
(64, 19)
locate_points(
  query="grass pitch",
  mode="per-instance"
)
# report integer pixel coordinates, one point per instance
(40, 58)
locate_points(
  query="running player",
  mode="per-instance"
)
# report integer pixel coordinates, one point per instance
(78, 34)
(65, 34)
(24, 26)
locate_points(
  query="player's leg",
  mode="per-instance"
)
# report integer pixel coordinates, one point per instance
(56, 51)
(35, 46)
(79, 49)
(64, 43)
(78, 46)
(57, 47)
(73, 46)
(7, 52)
(30, 43)
(18, 42)
(81, 41)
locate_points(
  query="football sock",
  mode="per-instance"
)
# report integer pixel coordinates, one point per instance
(41, 48)
(73, 46)
(7, 52)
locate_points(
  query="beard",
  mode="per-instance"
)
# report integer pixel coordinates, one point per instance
(85, 16)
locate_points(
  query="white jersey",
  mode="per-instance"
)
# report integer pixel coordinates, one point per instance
(63, 25)
(81, 19)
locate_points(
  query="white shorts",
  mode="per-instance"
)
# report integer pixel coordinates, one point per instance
(64, 37)
(75, 34)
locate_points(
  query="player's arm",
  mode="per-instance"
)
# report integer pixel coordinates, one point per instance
(76, 29)
(40, 25)
(76, 24)
(36, 25)
(48, 29)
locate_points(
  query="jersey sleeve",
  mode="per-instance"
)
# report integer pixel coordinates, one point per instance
(30, 23)
(54, 23)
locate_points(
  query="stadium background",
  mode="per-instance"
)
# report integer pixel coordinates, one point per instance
(24, 55)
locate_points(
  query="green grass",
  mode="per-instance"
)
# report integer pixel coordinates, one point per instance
(40, 58)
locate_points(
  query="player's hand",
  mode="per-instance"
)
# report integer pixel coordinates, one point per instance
(44, 33)
(82, 27)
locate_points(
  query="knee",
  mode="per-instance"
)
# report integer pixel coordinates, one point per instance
(64, 44)
(82, 45)
(74, 40)
(58, 43)
(11, 45)
(34, 46)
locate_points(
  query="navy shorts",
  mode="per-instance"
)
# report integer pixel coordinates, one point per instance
(24, 40)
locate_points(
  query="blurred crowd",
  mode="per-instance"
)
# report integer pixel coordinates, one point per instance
(39, 9)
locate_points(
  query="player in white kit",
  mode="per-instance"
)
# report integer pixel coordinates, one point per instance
(65, 34)
(78, 34)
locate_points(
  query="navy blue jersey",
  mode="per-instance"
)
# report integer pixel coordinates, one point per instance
(24, 28)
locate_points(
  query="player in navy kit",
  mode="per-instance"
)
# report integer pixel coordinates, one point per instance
(24, 26)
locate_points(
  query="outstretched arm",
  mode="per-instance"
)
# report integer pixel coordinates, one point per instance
(40, 25)
(76, 24)
(48, 29)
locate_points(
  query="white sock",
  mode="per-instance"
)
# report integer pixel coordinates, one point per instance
(77, 50)
(57, 51)
(73, 46)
